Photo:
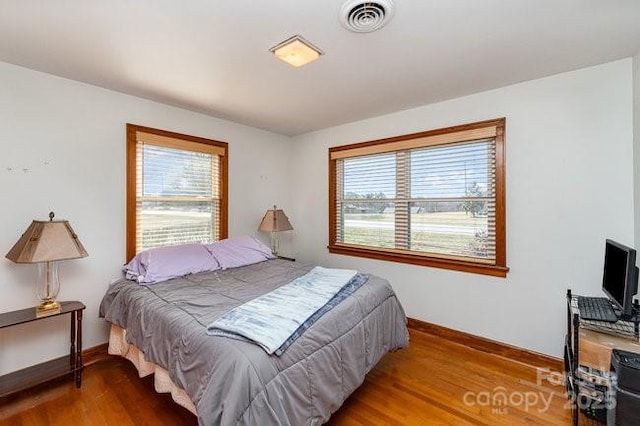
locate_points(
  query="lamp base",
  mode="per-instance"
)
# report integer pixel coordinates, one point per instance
(274, 244)
(49, 307)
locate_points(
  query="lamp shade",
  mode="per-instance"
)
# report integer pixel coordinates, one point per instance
(46, 241)
(275, 221)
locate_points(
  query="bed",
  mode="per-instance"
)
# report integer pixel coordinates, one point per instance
(162, 329)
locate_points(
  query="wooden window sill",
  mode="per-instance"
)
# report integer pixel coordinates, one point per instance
(422, 260)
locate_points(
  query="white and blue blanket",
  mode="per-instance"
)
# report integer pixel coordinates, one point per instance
(274, 320)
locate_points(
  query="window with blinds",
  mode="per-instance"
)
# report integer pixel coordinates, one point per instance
(434, 198)
(176, 189)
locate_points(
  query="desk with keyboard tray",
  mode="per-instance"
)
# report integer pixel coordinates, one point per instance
(587, 357)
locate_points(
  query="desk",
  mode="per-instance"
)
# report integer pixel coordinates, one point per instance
(59, 367)
(594, 348)
(587, 357)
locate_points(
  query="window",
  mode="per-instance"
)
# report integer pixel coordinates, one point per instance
(434, 198)
(176, 189)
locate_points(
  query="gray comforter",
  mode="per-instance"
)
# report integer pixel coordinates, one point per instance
(233, 382)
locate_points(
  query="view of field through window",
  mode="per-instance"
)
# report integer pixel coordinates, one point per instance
(177, 204)
(441, 198)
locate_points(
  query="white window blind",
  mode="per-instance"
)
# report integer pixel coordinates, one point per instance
(436, 200)
(452, 205)
(438, 195)
(178, 194)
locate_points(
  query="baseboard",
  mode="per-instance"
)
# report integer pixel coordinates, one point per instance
(95, 354)
(514, 353)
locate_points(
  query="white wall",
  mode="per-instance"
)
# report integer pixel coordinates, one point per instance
(636, 145)
(569, 186)
(62, 148)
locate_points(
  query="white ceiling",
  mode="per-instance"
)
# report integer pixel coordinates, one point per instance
(212, 56)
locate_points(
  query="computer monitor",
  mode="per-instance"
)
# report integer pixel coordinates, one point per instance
(620, 278)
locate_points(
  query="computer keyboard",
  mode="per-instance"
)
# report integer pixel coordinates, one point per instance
(596, 309)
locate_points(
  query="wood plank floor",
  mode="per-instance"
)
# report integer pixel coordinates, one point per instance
(434, 381)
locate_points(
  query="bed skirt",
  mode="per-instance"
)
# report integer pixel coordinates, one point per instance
(118, 345)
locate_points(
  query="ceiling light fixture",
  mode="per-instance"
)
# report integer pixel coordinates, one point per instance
(296, 51)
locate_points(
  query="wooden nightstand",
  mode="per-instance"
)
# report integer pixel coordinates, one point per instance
(59, 367)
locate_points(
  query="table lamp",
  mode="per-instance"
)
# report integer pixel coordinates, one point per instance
(46, 243)
(274, 221)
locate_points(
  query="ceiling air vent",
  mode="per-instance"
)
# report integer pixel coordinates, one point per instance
(366, 16)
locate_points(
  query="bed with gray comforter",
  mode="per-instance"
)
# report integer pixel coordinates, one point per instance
(234, 382)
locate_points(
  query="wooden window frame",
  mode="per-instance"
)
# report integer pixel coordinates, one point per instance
(169, 139)
(448, 135)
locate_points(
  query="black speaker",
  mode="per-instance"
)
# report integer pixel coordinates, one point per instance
(624, 406)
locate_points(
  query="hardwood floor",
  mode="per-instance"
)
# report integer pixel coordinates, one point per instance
(434, 381)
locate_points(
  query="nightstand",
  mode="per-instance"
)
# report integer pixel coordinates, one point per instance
(59, 367)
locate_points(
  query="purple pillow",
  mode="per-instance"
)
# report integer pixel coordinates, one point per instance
(163, 263)
(239, 251)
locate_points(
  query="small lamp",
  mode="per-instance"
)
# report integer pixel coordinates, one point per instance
(274, 221)
(45, 243)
